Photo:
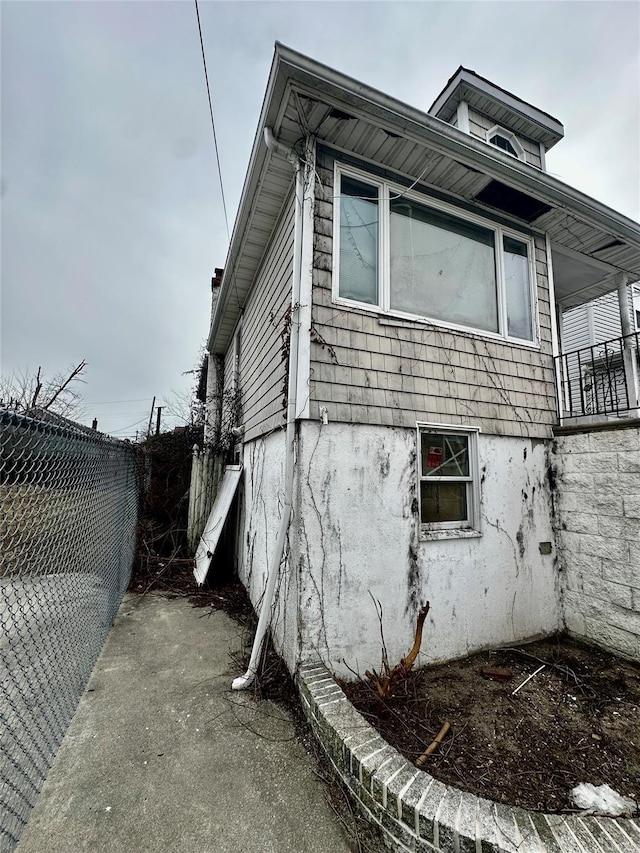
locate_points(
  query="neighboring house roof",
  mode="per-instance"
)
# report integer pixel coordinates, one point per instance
(40, 414)
(305, 97)
(501, 105)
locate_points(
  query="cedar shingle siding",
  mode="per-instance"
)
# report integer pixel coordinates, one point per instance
(397, 372)
(479, 125)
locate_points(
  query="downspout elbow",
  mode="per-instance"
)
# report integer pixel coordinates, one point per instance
(273, 145)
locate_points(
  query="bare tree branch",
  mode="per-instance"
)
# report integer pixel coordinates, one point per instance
(75, 374)
(25, 392)
(37, 389)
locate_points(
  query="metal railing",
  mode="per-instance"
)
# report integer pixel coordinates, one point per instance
(68, 514)
(600, 381)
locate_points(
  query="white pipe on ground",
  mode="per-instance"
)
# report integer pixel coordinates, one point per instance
(246, 680)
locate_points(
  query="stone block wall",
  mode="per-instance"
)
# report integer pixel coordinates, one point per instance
(598, 535)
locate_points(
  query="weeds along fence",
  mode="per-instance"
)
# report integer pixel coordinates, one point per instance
(68, 512)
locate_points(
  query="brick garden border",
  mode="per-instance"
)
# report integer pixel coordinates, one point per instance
(417, 814)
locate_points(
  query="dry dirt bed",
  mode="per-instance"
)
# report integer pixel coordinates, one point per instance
(578, 720)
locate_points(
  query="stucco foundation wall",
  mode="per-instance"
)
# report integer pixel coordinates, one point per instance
(598, 536)
(358, 539)
(259, 520)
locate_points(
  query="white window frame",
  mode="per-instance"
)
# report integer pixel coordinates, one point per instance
(636, 311)
(452, 529)
(497, 130)
(387, 189)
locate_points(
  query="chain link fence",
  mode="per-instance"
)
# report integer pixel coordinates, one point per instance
(68, 514)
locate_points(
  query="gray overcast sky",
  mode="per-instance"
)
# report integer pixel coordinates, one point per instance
(112, 219)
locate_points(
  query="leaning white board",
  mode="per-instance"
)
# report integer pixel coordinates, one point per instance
(216, 520)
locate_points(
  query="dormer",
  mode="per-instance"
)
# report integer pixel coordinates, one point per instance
(480, 108)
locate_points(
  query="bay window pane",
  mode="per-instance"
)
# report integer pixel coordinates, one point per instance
(517, 288)
(442, 501)
(358, 241)
(442, 267)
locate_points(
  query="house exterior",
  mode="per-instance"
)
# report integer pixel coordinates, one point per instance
(384, 363)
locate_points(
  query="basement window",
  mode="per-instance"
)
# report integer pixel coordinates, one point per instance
(411, 259)
(448, 479)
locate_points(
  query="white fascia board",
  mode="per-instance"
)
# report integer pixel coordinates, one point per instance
(259, 157)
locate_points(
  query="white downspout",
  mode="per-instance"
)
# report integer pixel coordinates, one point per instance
(245, 681)
(556, 333)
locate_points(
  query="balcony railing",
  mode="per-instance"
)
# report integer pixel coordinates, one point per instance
(600, 382)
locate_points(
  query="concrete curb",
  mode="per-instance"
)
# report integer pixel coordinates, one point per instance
(416, 813)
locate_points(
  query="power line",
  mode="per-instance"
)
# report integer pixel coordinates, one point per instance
(213, 124)
(112, 402)
(124, 429)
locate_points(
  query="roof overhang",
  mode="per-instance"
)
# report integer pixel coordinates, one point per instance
(305, 97)
(497, 103)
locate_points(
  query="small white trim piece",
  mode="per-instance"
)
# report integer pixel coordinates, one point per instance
(303, 390)
(463, 117)
(555, 333)
(498, 130)
(543, 157)
(453, 533)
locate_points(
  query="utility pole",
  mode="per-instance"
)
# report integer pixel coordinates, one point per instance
(158, 420)
(153, 405)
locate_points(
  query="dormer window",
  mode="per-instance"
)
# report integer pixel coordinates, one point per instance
(506, 141)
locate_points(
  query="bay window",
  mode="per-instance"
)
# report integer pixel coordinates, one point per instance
(409, 258)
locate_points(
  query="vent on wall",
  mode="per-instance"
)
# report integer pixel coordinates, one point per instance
(511, 201)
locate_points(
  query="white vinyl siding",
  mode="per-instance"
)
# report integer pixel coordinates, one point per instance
(262, 369)
(592, 323)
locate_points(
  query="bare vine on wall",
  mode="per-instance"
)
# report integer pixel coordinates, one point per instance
(317, 338)
(285, 347)
(230, 416)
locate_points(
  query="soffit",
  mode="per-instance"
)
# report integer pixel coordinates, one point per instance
(305, 97)
(506, 109)
(444, 173)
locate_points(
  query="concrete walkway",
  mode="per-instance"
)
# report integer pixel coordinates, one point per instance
(162, 756)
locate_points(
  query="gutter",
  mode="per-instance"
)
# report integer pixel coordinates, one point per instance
(245, 681)
(448, 139)
(290, 68)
